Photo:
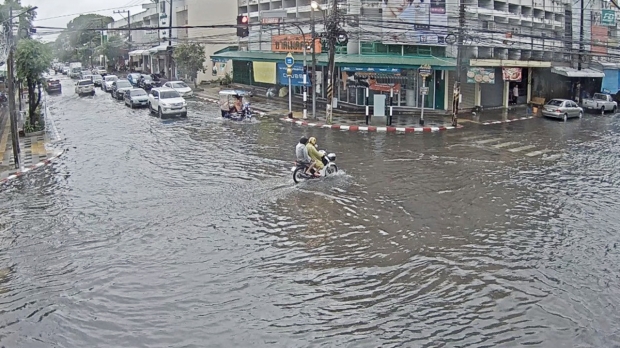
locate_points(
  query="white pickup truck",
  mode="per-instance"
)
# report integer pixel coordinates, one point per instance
(600, 102)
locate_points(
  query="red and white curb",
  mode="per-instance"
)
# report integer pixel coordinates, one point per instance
(31, 168)
(508, 121)
(370, 128)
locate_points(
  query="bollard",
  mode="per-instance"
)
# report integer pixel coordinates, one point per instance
(367, 108)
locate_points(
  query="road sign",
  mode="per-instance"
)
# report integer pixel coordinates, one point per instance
(289, 60)
(425, 70)
(424, 90)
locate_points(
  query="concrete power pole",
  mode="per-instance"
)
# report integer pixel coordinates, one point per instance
(456, 92)
(169, 48)
(331, 66)
(11, 81)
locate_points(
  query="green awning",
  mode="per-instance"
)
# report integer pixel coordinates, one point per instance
(352, 60)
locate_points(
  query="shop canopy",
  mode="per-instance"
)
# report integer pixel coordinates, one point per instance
(139, 53)
(571, 72)
(342, 60)
(160, 48)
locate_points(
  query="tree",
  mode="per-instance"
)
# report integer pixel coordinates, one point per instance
(25, 19)
(32, 59)
(112, 48)
(78, 43)
(190, 59)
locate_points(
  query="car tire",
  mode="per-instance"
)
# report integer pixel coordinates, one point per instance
(565, 117)
(160, 113)
(603, 110)
(131, 104)
(614, 110)
(150, 108)
(92, 93)
(580, 114)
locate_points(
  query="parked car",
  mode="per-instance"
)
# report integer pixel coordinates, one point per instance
(181, 87)
(87, 77)
(136, 97)
(65, 70)
(53, 86)
(97, 80)
(107, 82)
(167, 102)
(100, 70)
(119, 87)
(85, 73)
(83, 87)
(601, 102)
(133, 79)
(562, 108)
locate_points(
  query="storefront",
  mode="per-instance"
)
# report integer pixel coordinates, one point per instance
(159, 59)
(581, 83)
(611, 81)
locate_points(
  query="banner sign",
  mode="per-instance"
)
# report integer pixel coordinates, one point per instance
(264, 72)
(481, 75)
(381, 70)
(293, 43)
(512, 74)
(298, 75)
(415, 22)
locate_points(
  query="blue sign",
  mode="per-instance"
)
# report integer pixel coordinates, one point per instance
(297, 79)
(377, 70)
(289, 61)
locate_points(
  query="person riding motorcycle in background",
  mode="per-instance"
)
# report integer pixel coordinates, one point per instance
(301, 152)
(315, 155)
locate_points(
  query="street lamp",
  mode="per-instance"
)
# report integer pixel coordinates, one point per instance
(315, 6)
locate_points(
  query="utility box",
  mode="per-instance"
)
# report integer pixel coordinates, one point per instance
(378, 110)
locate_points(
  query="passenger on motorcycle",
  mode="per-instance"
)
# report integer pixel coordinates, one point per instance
(301, 152)
(315, 155)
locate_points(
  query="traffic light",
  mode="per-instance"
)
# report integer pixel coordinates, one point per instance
(243, 26)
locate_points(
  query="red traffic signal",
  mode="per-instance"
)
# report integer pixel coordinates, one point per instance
(243, 29)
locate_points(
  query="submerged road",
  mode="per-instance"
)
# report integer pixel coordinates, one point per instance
(191, 233)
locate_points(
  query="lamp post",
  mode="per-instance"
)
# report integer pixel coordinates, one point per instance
(314, 6)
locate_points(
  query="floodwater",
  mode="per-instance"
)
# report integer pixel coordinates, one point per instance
(191, 233)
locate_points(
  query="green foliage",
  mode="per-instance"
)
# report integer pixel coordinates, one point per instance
(24, 21)
(76, 43)
(112, 48)
(32, 59)
(38, 125)
(190, 59)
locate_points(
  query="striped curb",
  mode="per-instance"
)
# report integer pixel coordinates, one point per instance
(31, 168)
(372, 128)
(508, 121)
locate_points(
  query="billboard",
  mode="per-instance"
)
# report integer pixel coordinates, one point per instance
(599, 39)
(264, 72)
(419, 22)
(293, 43)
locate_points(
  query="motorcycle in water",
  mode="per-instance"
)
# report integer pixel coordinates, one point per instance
(329, 161)
(227, 101)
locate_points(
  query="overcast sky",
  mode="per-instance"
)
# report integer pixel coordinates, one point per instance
(57, 13)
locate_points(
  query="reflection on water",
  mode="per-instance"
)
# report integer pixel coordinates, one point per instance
(177, 233)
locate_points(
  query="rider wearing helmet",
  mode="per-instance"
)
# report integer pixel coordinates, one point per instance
(301, 152)
(315, 155)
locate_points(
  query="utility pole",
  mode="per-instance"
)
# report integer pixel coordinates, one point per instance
(169, 49)
(456, 91)
(11, 81)
(331, 34)
(313, 81)
(581, 46)
(128, 25)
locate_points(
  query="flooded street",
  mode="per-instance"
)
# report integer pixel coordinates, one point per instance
(191, 233)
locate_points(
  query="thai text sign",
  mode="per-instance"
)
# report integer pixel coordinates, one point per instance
(608, 18)
(297, 79)
(481, 75)
(292, 43)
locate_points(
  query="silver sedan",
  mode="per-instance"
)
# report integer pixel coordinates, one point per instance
(562, 109)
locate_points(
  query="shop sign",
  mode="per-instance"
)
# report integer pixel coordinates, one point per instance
(608, 18)
(512, 74)
(293, 43)
(297, 78)
(481, 75)
(375, 70)
(425, 70)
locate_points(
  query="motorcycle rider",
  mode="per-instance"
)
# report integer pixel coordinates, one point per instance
(301, 152)
(315, 155)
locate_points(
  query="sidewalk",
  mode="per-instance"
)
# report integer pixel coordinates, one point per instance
(497, 116)
(34, 152)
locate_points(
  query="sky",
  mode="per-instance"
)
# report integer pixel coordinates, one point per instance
(57, 13)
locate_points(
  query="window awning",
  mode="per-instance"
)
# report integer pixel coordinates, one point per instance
(160, 48)
(571, 72)
(137, 53)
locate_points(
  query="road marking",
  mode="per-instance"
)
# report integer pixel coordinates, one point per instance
(526, 147)
(501, 145)
(492, 140)
(537, 153)
(552, 157)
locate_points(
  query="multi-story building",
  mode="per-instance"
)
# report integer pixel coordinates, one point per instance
(149, 48)
(531, 46)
